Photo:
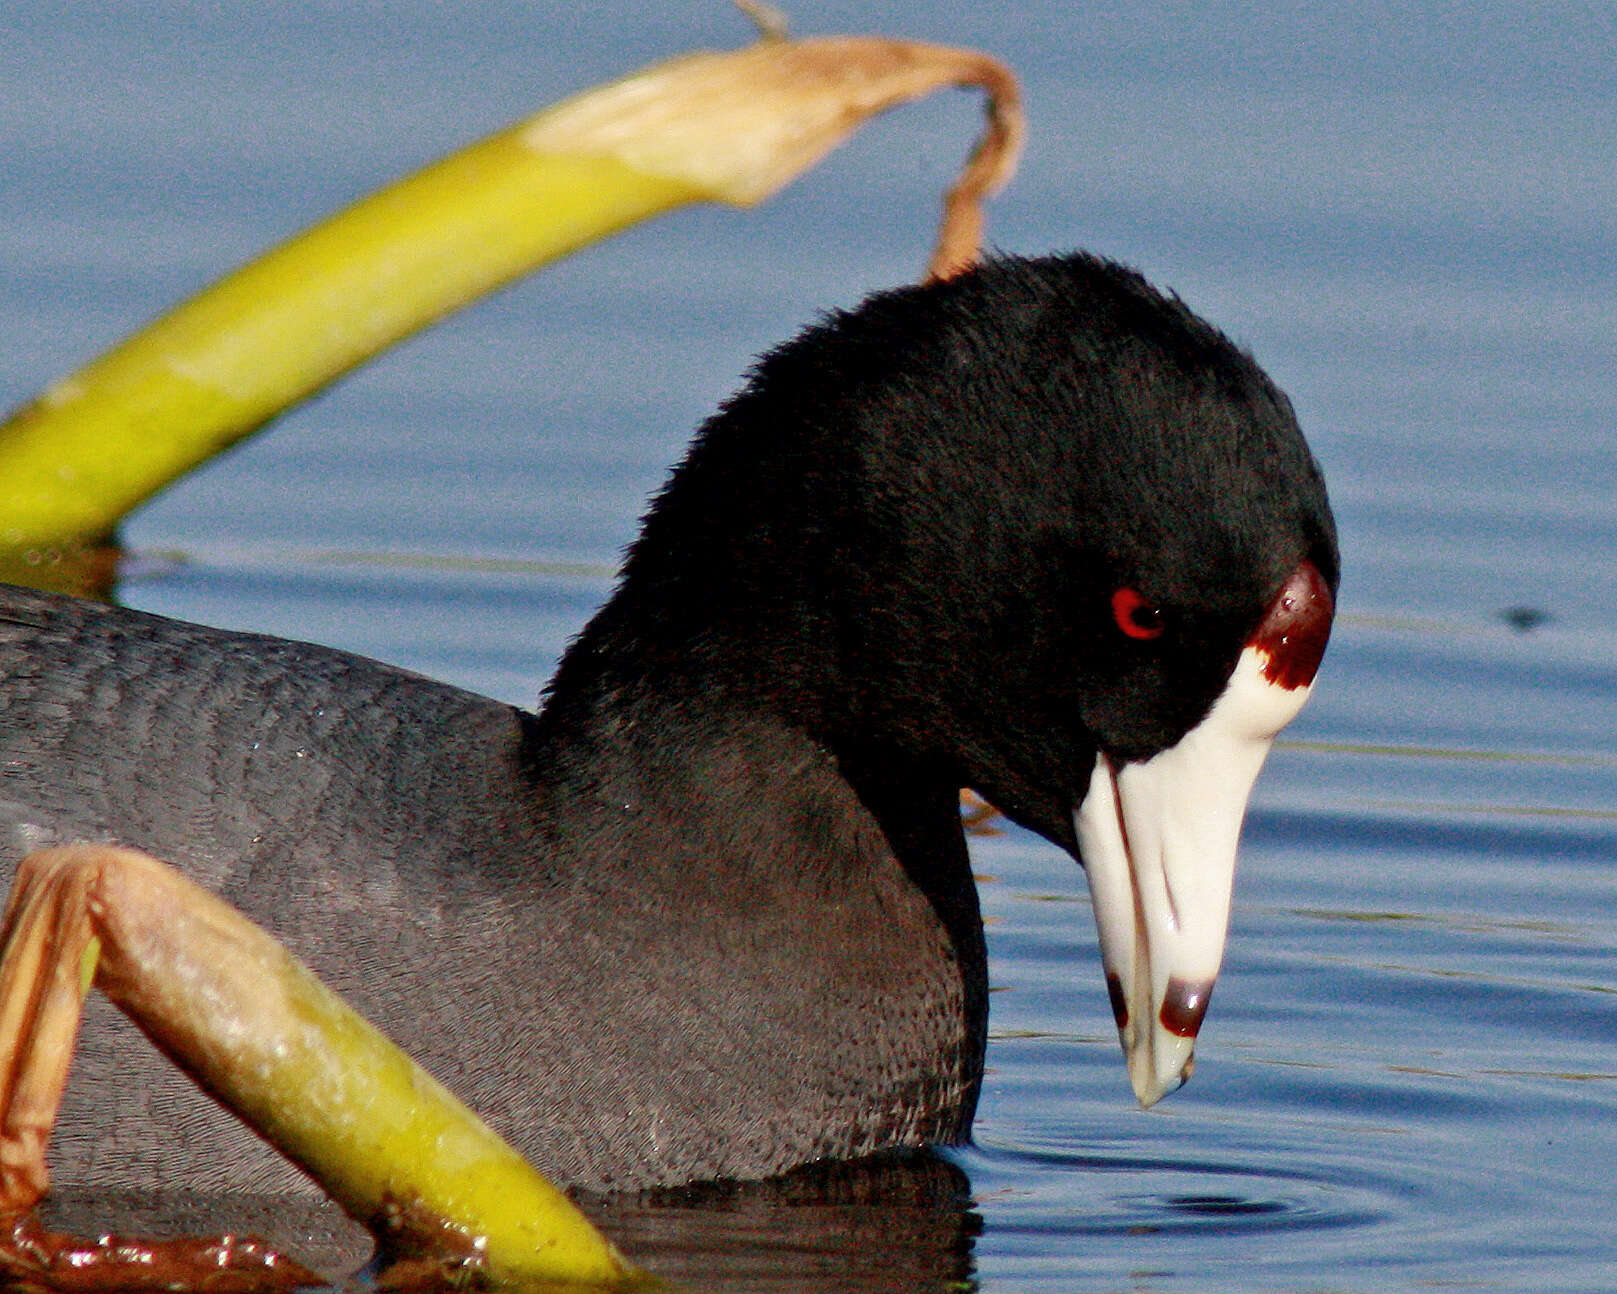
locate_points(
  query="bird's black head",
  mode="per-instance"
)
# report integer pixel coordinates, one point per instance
(986, 527)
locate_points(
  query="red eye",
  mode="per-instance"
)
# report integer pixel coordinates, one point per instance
(1135, 616)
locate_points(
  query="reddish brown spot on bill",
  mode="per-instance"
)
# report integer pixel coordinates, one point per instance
(1297, 627)
(1120, 1007)
(1184, 1005)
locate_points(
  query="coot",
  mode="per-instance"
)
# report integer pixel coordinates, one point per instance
(1038, 531)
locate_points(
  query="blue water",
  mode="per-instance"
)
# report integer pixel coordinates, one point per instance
(1409, 1076)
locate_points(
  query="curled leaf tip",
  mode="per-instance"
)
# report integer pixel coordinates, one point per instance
(739, 126)
(989, 169)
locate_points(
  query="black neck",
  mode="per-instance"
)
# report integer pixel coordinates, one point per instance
(743, 831)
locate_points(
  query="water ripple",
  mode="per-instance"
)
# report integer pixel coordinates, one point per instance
(1051, 1192)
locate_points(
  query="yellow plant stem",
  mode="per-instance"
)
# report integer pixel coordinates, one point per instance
(94, 445)
(726, 127)
(256, 1028)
